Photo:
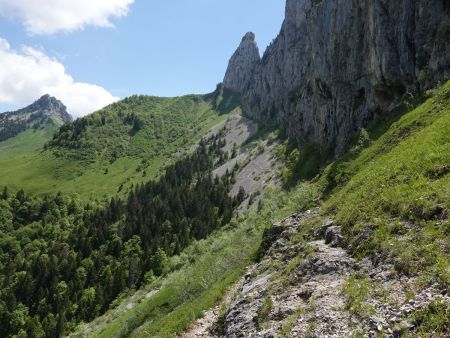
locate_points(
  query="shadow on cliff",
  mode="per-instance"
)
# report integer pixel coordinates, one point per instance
(339, 172)
(307, 162)
(224, 100)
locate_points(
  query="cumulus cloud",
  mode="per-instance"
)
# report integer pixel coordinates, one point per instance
(29, 73)
(43, 17)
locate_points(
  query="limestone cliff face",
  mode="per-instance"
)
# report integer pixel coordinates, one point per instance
(242, 64)
(337, 64)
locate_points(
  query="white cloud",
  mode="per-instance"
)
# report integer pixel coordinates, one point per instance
(43, 17)
(29, 73)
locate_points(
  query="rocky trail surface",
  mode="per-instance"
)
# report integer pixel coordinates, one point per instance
(298, 289)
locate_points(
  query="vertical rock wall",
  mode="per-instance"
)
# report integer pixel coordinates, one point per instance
(338, 64)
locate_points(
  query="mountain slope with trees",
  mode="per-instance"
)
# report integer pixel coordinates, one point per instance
(43, 114)
(123, 144)
(374, 223)
(62, 261)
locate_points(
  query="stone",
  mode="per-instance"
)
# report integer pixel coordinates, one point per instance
(336, 66)
(242, 64)
(333, 236)
(323, 229)
(50, 106)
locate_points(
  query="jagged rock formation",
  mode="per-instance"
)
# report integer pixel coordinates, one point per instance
(242, 64)
(337, 65)
(45, 110)
(50, 107)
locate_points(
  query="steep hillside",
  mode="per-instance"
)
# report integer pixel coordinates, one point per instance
(363, 249)
(308, 196)
(63, 261)
(112, 149)
(339, 65)
(374, 257)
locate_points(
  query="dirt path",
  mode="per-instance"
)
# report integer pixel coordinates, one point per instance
(204, 327)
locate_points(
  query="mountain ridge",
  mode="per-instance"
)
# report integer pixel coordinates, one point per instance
(338, 66)
(114, 148)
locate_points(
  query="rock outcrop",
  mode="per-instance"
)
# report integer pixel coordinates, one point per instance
(337, 65)
(242, 64)
(298, 289)
(50, 107)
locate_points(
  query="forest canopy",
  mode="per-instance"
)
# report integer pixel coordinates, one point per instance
(62, 262)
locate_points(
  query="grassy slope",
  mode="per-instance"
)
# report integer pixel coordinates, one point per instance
(400, 185)
(168, 125)
(392, 183)
(26, 142)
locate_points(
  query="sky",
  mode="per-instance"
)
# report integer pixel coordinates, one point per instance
(90, 53)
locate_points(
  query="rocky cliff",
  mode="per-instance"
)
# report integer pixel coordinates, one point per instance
(50, 107)
(337, 65)
(43, 111)
(242, 64)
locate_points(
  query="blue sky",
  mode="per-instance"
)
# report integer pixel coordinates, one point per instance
(155, 47)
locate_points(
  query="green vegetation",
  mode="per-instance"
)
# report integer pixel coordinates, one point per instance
(215, 264)
(209, 268)
(433, 320)
(27, 142)
(263, 312)
(109, 151)
(300, 164)
(62, 262)
(399, 185)
(357, 290)
(289, 324)
(15, 123)
(394, 181)
(390, 193)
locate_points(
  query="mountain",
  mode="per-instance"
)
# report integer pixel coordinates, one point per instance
(307, 196)
(372, 257)
(112, 149)
(360, 245)
(47, 110)
(337, 66)
(360, 250)
(242, 64)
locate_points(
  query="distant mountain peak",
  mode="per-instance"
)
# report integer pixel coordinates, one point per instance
(249, 36)
(49, 106)
(242, 64)
(43, 112)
